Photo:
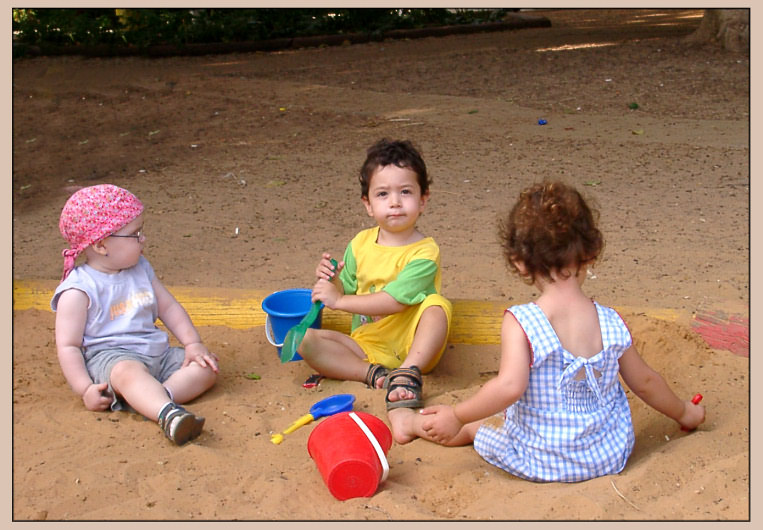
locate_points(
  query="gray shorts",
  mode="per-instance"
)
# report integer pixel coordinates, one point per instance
(161, 368)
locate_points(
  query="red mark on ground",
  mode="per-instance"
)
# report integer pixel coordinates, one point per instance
(724, 332)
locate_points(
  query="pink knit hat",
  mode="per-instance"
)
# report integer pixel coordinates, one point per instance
(93, 213)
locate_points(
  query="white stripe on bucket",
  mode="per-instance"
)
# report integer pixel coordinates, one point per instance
(375, 443)
(269, 332)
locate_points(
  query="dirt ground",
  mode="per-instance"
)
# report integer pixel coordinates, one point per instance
(247, 165)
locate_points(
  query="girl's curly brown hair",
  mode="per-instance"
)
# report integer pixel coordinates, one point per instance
(549, 229)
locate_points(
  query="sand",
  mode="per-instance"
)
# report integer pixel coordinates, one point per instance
(247, 163)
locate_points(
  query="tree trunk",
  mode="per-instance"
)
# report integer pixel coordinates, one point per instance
(729, 28)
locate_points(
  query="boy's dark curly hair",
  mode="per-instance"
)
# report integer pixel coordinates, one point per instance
(549, 229)
(401, 153)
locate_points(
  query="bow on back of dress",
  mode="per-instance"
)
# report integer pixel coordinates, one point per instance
(591, 365)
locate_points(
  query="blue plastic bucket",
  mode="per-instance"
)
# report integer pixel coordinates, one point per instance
(283, 311)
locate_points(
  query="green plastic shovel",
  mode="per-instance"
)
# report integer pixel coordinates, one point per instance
(295, 335)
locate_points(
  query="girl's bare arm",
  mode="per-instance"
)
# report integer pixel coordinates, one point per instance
(652, 388)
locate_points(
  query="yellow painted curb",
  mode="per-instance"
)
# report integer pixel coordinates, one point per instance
(474, 321)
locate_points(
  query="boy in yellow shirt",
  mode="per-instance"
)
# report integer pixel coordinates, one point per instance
(389, 279)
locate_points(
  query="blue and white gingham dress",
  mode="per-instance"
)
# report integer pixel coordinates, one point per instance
(563, 429)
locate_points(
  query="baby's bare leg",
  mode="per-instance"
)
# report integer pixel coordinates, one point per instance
(135, 384)
(132, 381)
(190, 381)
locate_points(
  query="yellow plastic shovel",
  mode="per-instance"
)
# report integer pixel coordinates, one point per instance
(325, 407)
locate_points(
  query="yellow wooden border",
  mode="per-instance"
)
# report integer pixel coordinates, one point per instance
(474, 321)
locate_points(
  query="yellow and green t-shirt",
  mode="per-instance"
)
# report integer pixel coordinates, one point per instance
(408, 273)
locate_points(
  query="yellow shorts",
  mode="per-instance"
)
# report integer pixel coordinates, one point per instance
(388, 340)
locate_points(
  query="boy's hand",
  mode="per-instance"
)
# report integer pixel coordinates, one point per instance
(201, 355)
(327, 293)
(442, 425)
(325, 269)
(97, 397)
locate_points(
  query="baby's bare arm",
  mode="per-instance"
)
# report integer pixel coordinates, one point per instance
(176, 318)
(71, 315)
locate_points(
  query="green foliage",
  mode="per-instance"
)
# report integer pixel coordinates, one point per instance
(146, 27)
(65, 26)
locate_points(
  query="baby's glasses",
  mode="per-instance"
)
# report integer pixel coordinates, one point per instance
(139, 235)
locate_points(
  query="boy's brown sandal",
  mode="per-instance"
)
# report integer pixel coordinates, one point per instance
(375, 372)
(411, 381)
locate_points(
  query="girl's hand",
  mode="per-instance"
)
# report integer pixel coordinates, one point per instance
(201, 355)
(325, 269)
(97, 397)
(693, 416)
(326, 292)
(442, 425)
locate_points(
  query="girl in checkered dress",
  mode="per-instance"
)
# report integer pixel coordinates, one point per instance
(565, 414)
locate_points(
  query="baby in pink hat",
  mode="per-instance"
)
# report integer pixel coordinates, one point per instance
(109, 347)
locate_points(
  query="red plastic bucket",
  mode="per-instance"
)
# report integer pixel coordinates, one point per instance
(350, 450)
